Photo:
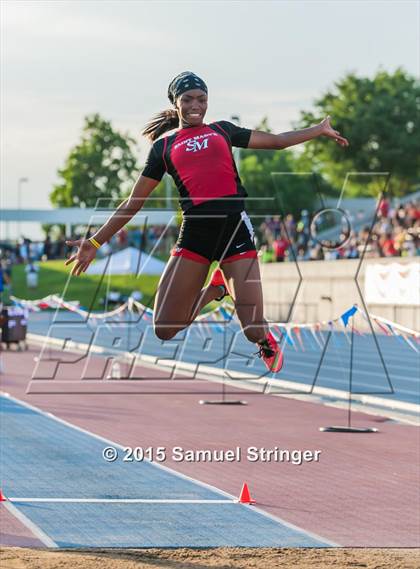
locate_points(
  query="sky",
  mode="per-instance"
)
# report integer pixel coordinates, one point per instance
(62, 60)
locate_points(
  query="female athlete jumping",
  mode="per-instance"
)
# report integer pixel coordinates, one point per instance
(215, 225)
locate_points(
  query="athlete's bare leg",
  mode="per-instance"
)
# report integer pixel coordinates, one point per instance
(243, 280)
(181, 296)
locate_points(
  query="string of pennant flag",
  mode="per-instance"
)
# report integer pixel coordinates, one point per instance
(297, 335)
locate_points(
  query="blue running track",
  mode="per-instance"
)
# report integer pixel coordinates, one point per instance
(393, 372)
(51, 471)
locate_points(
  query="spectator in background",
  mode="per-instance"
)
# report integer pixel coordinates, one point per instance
(302, 229)
(265, 231)
(413, 212)
(277, 225)
(59, 247)
(280, 246)
(351, 250)
(305, 220)
(408, 248)
(7, 264)
(2, 280)
(290, 225)
(273, 225)
(383, 208)
(395, 233)
(122, 238)
(5, 283)
(315, 252)
(331, 254)
(25, 249)
(302, 254)
(46, 253)
(387, 245)
(400, 215)
(385, 226)
(135, 238)
(364, 234)
(399, 238)
(31, 271)
(18, 257)
(265, 254)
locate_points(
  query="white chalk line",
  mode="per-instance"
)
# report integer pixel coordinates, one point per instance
(37, 531)
(122, 500)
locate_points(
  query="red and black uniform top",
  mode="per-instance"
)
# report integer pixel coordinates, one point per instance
(200, 161)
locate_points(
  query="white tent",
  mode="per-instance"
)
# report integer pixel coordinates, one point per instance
(129, 261)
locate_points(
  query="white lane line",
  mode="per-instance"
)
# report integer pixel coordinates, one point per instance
(121, 501)
(277, 519)
(37, 531)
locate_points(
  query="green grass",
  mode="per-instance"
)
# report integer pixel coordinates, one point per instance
(54, 277)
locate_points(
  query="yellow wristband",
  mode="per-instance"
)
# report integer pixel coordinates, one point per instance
(94, 242)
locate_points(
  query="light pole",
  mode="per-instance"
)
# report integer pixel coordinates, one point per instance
(237, 152)
(20, 182)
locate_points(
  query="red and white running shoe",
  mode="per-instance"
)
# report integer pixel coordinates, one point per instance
(271, 353)
(218, 280)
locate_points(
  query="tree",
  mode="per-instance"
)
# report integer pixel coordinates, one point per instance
(54, 230)
(292, 193)
(380, 118)
(101, 165)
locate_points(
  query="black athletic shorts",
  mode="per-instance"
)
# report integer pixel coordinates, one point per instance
(223, 238)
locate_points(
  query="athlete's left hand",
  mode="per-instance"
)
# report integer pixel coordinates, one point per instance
(83, 257)
(327, 130)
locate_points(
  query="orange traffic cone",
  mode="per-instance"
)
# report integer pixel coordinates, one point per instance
(245, 496)
(2, 497)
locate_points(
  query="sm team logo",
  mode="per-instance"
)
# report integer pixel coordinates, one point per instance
(196, 145)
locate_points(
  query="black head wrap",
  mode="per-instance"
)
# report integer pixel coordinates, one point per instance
(184, 82)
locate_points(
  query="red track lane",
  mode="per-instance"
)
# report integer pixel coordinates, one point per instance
(13, 533)
(364, 490)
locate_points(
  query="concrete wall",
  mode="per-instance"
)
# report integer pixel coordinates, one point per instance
(327, 289)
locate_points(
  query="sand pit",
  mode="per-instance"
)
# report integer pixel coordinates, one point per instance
(221, 558)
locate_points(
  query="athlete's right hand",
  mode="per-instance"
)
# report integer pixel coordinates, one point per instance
(84, 255)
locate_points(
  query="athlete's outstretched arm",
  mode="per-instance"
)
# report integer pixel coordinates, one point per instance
(130, 206)
(265, 140)
(128, 209)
